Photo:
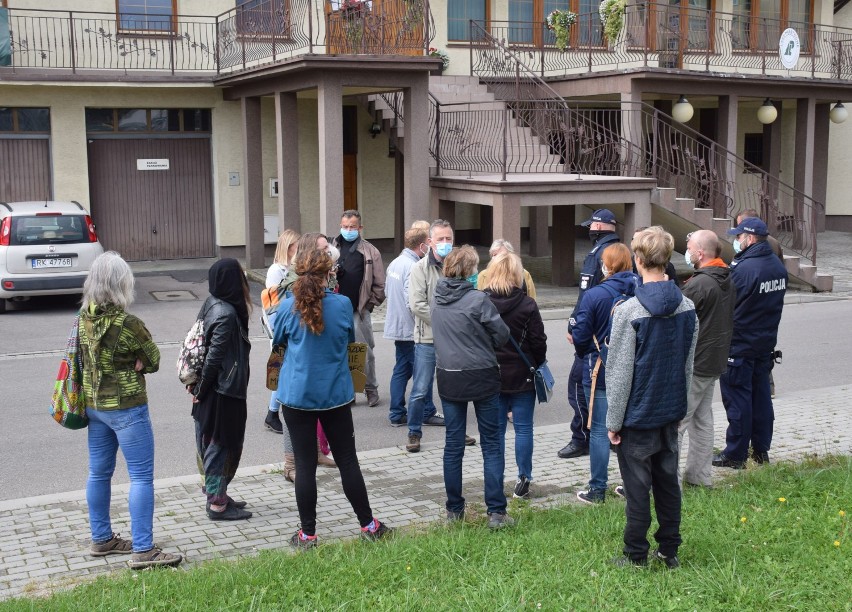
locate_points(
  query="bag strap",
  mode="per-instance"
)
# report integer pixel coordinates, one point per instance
(521, 353)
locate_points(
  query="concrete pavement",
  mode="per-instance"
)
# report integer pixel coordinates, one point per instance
(44, 540)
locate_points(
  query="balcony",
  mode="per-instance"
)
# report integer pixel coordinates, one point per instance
(93, 45)
(674, 37)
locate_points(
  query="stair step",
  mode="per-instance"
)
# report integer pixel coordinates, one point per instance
(666, 197)
(702, 217)
(791, 262)
(683, 207)
(824, 282)
(807, 273)
(721, 225)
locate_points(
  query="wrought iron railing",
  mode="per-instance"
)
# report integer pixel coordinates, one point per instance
(674, 37)
(674, 154)
(241, 38)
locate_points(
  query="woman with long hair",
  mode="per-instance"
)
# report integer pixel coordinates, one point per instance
(504, 284)
(591, 338)
(117, 351)
(219, 402)
(316, 326)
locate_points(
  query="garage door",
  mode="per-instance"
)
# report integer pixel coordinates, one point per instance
(151, 197)
(24, 170)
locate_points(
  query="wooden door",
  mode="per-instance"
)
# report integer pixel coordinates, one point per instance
(350, 181)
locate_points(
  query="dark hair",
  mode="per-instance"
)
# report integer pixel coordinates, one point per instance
(348, 214)
(312, 267)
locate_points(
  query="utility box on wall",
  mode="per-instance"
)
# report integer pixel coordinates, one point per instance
(270, 229)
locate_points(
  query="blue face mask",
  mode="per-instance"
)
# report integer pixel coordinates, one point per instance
(348, 235)
(443, 249)
(737, 247)
(472, 279)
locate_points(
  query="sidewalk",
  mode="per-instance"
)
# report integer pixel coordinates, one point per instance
(44, 540)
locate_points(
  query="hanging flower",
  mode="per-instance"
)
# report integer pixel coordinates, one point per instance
(442, 55)
(612, 17)
(560, 22)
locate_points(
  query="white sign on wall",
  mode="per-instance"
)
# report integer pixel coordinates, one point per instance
(152, 164)
(789, 48)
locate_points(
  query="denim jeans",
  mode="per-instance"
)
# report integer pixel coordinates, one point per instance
(402, 372)
(493, 463)
(522, 406)
(128, 429)
(648, 461)
(598, 441)
(421, 387)
(577, 401)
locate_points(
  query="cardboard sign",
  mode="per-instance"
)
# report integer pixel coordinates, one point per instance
(357, 365)
(273, 367)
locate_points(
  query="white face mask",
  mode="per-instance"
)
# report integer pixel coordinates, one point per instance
(605, 270)
(738, 247)
(687, 257)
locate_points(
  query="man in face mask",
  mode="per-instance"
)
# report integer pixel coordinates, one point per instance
(761, 282)
(602, 233)
(361, 278)
(399, 325)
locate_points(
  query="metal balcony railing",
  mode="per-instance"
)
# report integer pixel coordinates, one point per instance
(241, 38)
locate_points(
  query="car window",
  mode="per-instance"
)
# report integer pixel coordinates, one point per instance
(62, 229)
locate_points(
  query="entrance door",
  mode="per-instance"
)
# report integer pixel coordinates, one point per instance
(163, 212)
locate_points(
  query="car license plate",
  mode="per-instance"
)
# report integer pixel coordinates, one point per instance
(55, 262)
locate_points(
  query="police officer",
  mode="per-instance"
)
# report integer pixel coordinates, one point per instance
(602, 233)
(761, 282)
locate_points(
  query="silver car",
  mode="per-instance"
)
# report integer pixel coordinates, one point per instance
(46, 248)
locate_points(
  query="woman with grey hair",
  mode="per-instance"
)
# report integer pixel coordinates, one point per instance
(117, 351)
(501, 247)
(468, 330)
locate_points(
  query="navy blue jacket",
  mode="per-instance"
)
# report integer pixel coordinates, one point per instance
(591, 274)
(593, 319)
(761, 282)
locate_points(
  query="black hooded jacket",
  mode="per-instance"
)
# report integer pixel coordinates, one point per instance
(520, 313)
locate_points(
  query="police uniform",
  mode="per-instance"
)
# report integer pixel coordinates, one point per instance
(761, 282)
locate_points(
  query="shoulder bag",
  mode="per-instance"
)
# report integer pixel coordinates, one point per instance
(542, 377)
(68, 404)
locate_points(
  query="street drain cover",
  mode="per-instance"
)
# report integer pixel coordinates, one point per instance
(173, 296)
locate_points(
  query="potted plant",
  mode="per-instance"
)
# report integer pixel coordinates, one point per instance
(612, 18)
(560, 22)
(441, 55)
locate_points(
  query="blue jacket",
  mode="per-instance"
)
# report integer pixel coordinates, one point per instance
(315, 374)
(399, 321)
(593, 320)
(651, 353)
(761, 282)
(591, 273)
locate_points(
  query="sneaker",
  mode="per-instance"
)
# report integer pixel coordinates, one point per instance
(455, 517)
(273, 423)
(436, 419)
(376, 531)
(572, 450)
(619, 490)
(591, 497)
(398, 422)
(522, 487)
(301, 541)
(469, 440)
(760, 457)
(372, 397)
(625, 561)
(722, 460)
(413, 445)
(154, 558)
(498, 521)
(670, 562)
(114, 546)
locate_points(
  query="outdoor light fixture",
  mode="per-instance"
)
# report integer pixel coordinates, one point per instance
(838, 114)
(375, 128)
(767, 113)
(682, 111)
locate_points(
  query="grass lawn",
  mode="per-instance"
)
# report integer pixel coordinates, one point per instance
(771, 538)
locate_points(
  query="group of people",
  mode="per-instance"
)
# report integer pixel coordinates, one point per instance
(647, 358)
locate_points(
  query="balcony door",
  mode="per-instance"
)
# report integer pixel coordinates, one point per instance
(527, 27)
(757, 24)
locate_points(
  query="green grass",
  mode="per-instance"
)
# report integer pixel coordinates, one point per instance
(783, 556)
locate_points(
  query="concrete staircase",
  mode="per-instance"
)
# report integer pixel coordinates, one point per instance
(680, 216)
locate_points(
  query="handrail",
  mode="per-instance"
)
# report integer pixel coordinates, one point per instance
(674, 154)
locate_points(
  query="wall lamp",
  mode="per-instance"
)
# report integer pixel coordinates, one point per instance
(375, 128)
(767, 113)
(682, 111)
(838, 114)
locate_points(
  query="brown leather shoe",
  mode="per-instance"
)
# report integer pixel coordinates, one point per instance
(289, 467)
(413, 445)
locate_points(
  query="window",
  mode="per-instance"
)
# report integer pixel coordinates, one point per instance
(25, 120)
(527, 17)
(263, 17)
(460, 13)
(757, 24)
(146, 15)
(159, 120)
(753, 150)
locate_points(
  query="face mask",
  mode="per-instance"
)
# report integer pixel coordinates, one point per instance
(443, 249)
(472, 279)
(737, 246)
(687, 257)
(333, 253)
(423, 250)
(605, 270)
(348, 235)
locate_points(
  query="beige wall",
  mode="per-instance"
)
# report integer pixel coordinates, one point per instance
(837, 197)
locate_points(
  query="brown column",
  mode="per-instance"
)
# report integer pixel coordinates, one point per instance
(253, 182)
(287, 149)
(727, 138)
(415, 149)
(330, 140)
(636, 214)
(564, 246)
(506, 221)
(821, 161)
(539, 244)
(803, 168)
(631, 129)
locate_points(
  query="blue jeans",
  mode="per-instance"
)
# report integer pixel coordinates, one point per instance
(421, 388)
(128, 429)
(402, 372)
(493, 463)
(598, 441)
(521, 405)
